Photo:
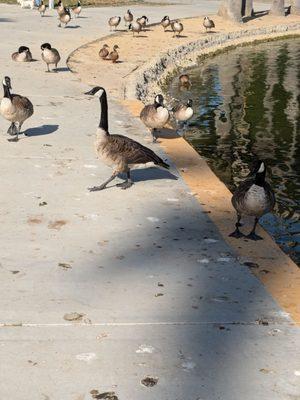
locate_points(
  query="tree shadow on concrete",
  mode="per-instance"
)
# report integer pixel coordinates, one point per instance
(255, 15)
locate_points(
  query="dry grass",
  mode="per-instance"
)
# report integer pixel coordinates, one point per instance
(89, 3)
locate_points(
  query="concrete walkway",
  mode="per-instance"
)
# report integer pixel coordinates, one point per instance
(100, 290)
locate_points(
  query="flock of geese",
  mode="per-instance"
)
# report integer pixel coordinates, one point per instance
(254, 197)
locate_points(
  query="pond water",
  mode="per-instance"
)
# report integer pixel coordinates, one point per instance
(247, 105)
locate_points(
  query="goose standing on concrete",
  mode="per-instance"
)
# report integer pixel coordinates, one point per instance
(208, 23)
(42, 8)
(104, 52)
(113, 22)
(177, 28)
(165, 22)
(155, 116)
(117, 150)
(50, 56)
(184, 80)
(128, 17)
(22, 55)
(114, 55)
(77, 10)
(65, 17)
(60, 8)
(183, 112)
(143, 21)
(136, 27)
(14, 108)
(253, 197)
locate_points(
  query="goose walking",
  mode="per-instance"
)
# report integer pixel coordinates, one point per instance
(136, 27)
(104, 52)
(15, 108)
(155, 116)
(77, 10)
(128, 17)
(22, 55)
(113, 22)
(65, 17)
(42, 8)
(253, 197)
(50, 56)
(143, 21)
(208, 23)
(119, 151)
(165, 22)
(177, 28)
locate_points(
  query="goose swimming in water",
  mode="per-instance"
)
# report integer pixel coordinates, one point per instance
(117, 150)
(253, 197)
(15, 108)
(184, 80)
(155, 116)
(22, 55)
(183, 112)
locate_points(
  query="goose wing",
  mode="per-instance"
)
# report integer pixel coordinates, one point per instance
(22, 103)
(134, 152)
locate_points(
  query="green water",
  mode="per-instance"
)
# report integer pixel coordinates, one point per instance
(247, 104)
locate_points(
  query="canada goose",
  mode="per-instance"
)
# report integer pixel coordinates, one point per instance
(143, 21)
(65, 17)
(22, 55)
(114, 22)
(155, 116)
(60, 8)
(50, 55)
(253, 197)
(128, 17)
(136, 27)
(117, 150)
(177, 28)
(184, 80)
(42, 8)
(103, 53)
(165, 22)
(183, 112)
(14, 108)
(114, 55)
(208, 23)
(77, 10)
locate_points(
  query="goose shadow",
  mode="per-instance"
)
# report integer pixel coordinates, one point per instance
(6, 20)
(166, 133)
(151, 174)
(179, 36)
(141, 36)
(72, 27)
(41, 130)
(61, 69)
(47, 16)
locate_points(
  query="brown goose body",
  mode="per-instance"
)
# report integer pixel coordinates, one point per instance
(128, 17)
(117, 151)
(42, 9)
(60, 8)
(77, 10)
(104, 52)
(184, 80)
(22, 55)
(136, 27)
(113, 22)
(15, 108)
(65, 17)
(165, 22)
(183, 112)
(50, 55)
(155, 116)
(177, 28)
(114, 55)
(208, 23)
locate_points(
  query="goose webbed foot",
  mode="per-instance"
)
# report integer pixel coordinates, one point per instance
(12, 130)
(125, 185)
(14, 139)
(254, 236)
(97, 188)
(236, 234)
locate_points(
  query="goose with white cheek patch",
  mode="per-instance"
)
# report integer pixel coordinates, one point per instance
(65, 17)
(22, 55)
(15, 108)
(208, 24)
(113, 22)
(117, 151)
(136, 27)
(254, 197)
(77, 10)
(165, 22)
(155, 116)
(128, 17)
(143, 21)
(183, 112)
(50, 56)
(177, 28)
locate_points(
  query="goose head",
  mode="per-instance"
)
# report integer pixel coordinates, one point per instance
(106, 46)
(46, 46)
(166, 17)
(23, 49)
(96, 89)
(7, 82)
(159, 100)
(189, 103)
(116, 47)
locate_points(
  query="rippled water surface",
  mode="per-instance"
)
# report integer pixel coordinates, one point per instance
(247, 104)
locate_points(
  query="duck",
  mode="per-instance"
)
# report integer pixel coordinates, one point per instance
(15, 108)
(114, 55)
(128, 17)
(165, 22)
(155, 116)
(114, 22)
(22, 55)
(208, 23)
(184, 80)
(42, 8)
(136, 27)
(65, 17)
(177, 28)
(143, 21)
(60, 8)
(117, 151)
(50, 55)
(104, 52)
(253, 197)
(77, 9)
(183, 112)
